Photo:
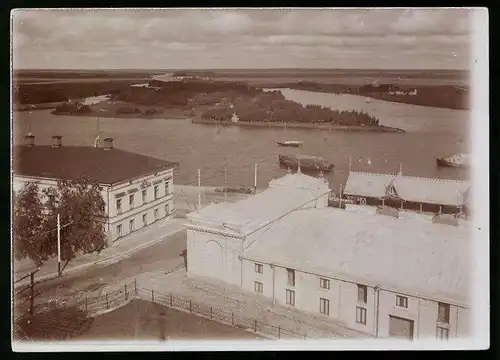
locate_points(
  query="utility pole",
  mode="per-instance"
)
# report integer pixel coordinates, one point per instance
(225, 184)
(340, 196)
(255, 179)
(350, 163)
(58, 244)
(199, 189)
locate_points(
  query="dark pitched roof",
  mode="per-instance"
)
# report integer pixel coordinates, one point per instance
(74, 162)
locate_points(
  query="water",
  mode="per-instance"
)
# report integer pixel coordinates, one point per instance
(431, 133)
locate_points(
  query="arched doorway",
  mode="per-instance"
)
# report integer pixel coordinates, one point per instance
(214, 255)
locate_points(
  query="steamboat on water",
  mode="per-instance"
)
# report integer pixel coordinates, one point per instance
(290, 143)
(456, 161)
(311, 163)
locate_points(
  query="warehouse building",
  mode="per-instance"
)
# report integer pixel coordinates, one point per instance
(384, 275)
(137, 189)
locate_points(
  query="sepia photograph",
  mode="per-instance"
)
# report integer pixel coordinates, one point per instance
(252, 179)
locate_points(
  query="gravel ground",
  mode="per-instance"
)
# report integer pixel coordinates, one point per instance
(145, 320)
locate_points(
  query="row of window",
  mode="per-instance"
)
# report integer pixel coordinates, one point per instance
(442, 333)
(401, 301)
(131, 197)
(131, 223)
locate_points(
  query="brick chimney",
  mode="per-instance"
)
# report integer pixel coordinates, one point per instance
(108, 143)
(56, 141)
(30, 140)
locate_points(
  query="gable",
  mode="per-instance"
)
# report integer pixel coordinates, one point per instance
(391, 191)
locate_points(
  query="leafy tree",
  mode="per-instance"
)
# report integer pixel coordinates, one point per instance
(81, 205)
(82, 217)
(28, 224)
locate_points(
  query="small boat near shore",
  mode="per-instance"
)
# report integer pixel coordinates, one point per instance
(235, 190)
(456, 161)
(311, 163)
(290, 143)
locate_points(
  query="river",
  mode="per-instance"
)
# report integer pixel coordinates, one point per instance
(431, 133)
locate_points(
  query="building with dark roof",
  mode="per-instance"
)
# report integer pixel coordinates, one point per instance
(137, 189)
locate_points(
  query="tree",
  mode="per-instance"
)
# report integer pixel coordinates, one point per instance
(28, 224)
(81, 205)
(82, 217)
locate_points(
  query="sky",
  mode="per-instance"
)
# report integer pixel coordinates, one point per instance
(241, 39)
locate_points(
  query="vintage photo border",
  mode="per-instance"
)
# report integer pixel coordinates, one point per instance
(480, 254)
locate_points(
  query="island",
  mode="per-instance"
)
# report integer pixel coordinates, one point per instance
(203, 100)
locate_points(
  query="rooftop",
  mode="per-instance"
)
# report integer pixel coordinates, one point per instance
(409, 188)
(73, 162)
(284, 195)
(410, 254)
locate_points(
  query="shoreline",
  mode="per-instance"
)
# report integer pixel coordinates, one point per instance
(307, 126)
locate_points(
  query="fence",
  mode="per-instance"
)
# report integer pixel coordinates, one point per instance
(218, 314)
(25, 297)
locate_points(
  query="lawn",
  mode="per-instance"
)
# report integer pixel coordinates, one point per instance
(144, 320)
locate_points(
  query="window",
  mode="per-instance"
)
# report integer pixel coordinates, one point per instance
(259, 268)
(291, 277)
(324, 283)
(156, 214)
(167, 188)
(362, 293)
(324, 306)
(167, 210)
(259, 287)
(444, 313)
(144, 196)
(442, 333)
(290, 297)
(144, 219)
(402, 301)
(361, 315)
(119, 206)
(119, 230)
(156, 192)
(131, 225)
(131, 201)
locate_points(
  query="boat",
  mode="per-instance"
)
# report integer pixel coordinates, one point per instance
(291, 143)
(456, 161)
(368, 100)
(312, 163)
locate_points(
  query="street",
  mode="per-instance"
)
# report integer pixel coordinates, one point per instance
(165, 255)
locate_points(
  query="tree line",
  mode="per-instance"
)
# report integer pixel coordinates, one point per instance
(81, 208)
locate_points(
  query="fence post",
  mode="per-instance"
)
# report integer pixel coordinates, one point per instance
(32, 292)
(170, 299)
(279, 332)
(190, 306)
(255, 325)
(210, 312)
(305, 336)
(152, 295)
(107, 301)
(126, 295)
(232, 318)
(135, 286)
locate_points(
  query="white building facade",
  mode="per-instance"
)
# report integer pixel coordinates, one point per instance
(286, 245)
(131, 203)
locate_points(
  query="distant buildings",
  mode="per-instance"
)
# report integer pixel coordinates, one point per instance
(137, 189)
(386, 276)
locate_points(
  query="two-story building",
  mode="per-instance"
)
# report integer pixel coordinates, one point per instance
(384, 275)
(137, 189)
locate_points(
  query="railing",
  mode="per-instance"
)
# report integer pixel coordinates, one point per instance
(218, 314)
(25, 296)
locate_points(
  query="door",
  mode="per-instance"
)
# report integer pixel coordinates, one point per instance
(400, 327)
(214, 257)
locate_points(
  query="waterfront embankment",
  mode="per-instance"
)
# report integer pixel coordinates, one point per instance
(309, 126)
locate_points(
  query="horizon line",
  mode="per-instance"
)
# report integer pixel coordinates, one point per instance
(240, 69)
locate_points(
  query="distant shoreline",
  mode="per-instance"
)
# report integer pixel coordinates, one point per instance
(307, 126)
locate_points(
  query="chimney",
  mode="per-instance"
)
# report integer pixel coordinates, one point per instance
(56, 141)
(108, 143)
(30, 140)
